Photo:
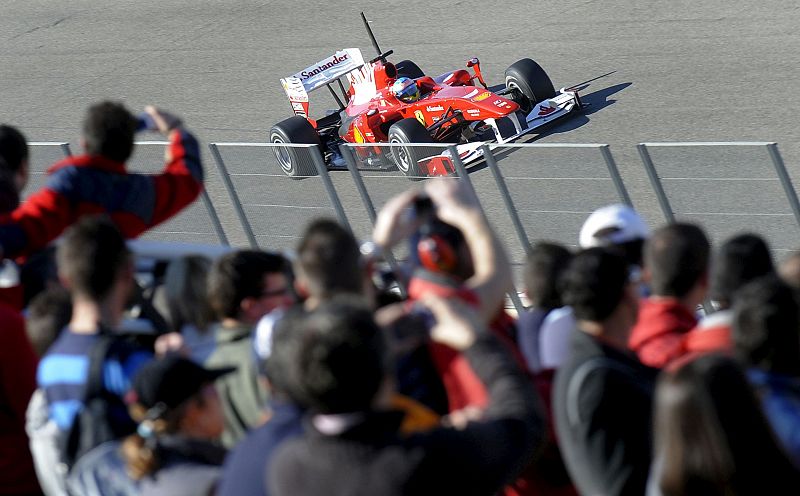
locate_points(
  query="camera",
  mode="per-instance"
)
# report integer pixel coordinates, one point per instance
(436, 245)
(145, 122)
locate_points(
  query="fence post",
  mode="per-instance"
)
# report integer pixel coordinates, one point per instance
(786, 182)
(66, 150)
(613, 171)
(237, 205)
(655, 182)
(510, 207)
(462, 173)
(212, 213)
(352, 166)
(322, 169)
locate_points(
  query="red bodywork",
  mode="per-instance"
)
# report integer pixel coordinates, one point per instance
(372, 115)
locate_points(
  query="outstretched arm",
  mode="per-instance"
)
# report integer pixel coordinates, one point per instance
(457, 205)
(180, 182)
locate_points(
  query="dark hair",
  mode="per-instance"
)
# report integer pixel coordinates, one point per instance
(48, 313)
(766, 326)
(712, 436)
(337, 356)
(278, 367)
(594, 283)
(676, 256)
(544, 266)
(738, 261)
(330, 260)
(632, 250)
(91, 256)
(39, 272)
(186, 292)
(9, 196)
(239, 275)
(108, 130)
(13, 148)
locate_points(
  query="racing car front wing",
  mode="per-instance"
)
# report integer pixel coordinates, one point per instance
(545, 112)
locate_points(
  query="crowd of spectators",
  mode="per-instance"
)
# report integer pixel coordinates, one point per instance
(646, 363)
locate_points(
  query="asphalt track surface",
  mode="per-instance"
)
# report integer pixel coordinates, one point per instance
(660, 71)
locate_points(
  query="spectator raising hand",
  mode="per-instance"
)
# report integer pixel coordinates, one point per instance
(455, 322)
(466, 233)
(99, 181)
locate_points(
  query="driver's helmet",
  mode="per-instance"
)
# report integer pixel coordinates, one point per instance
(405, 89)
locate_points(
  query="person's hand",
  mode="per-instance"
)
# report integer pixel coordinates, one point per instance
(460, 418)
(170, 343)
(404, 331)
(395, 221)
(165, 122)
(457, 324)
(455, 202)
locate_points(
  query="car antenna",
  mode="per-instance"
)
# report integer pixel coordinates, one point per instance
(371, 36)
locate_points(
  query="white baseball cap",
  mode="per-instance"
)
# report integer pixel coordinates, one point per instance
(612, 225)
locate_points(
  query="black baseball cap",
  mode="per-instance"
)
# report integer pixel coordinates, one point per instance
(171, 381)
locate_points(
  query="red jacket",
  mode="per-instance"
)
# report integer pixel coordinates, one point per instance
(92, 184)
(658, 336)
(17, 382)
(462, 385)
(712, 334)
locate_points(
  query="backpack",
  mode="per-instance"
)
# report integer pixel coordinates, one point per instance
(85, 460)
(92, 425)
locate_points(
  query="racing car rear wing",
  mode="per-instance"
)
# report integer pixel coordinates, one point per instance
(298, 86)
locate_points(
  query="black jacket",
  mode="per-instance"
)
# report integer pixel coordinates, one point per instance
(371, 458)
(602, 404)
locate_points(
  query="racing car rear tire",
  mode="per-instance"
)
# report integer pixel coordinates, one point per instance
(408, 69)
(531, 80)
(407, 158)
(295, 162)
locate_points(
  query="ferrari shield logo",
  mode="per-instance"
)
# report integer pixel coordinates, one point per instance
(357, 135)
(419, 116)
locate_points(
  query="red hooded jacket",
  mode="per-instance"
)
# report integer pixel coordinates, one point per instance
(92, 184)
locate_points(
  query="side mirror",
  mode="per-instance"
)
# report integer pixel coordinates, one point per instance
(474, 62)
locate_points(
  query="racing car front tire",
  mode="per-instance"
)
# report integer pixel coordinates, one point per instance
(408, 69)
(531, 80)
(407, 158)
(295, 162)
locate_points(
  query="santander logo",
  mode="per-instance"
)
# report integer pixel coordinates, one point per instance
(334, 62)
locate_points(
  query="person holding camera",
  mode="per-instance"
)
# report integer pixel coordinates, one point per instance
(450, 227)
(447, 228)
(99, 182)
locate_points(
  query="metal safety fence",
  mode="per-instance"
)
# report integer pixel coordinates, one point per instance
(273, 208)
(732, 187)
(533, 191)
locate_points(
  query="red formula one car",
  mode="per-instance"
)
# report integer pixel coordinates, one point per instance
(399, 104)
